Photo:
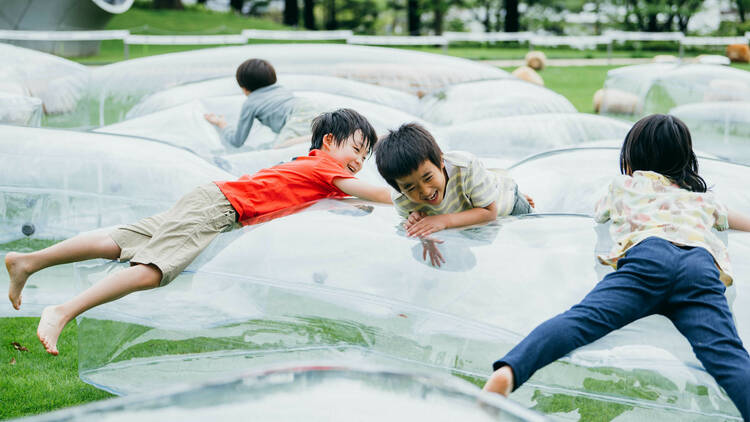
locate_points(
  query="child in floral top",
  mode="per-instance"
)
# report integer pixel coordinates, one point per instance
(667, 259)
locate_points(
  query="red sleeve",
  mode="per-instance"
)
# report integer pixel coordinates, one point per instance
(328, 170)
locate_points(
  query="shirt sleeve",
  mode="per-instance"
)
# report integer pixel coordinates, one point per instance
(236, 135)
(402, 204)
(603, 206)
(480, 185)
(328, 171)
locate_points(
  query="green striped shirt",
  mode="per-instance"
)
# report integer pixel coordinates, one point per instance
(470, 185)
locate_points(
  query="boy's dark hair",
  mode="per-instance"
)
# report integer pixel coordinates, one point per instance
(254, 74)
(403, 150)
(662, 143)
(342, 124)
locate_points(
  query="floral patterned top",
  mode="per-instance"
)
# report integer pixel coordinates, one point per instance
(649, 204)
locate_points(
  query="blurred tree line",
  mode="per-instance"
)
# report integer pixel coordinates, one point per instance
(429, 16)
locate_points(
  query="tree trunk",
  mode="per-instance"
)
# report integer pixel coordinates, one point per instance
(652, 23)
(741, 10)
(438, 15)
(511, 16)
(236, 4)
(168, 4)
(291, 12)
(412, 16)
(309, 17)
(331, 22)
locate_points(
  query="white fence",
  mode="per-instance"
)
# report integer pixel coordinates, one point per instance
(531, 39)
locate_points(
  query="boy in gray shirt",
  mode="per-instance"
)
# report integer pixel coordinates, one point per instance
(270, 103)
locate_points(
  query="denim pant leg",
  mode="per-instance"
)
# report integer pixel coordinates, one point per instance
(634, 291)
(699, 310)
(521, 205)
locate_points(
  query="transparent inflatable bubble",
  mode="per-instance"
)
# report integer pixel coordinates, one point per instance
(361, 292)
(58, 183)
(228, 86)
(658, 87)
(320, 392)
(490, 99)
(60, 84)
(121, 85)
(20, 110)
(518, 136)
(572, 180)
(185, 125)
(723, 128)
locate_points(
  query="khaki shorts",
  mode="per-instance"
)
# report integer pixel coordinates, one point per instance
(173, 239)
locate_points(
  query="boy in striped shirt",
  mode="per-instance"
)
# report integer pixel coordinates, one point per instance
(436, 191)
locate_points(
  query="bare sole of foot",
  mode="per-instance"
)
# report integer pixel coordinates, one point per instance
(500, 382)
(50, 326)
(18, 276)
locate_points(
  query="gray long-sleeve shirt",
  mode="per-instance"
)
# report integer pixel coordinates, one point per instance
(271, 105)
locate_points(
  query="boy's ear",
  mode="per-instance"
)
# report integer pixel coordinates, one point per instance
(327, 142)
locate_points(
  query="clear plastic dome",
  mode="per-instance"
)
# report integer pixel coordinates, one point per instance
(572, 180)
(722, 128)
(121, 85)
(228, 86)
(658, 87)
(57, 183)
(479, 100)
(60, 84)
(513, 138)
(361, 294)
(320, 392)
(20, 110)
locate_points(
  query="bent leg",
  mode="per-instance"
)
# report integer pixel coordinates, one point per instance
(700, 311)
(114, 286)
(20, 266)
(635, 290)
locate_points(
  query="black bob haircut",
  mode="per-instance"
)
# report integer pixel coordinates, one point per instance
(342, 124)
(403, 150)
(662, 143)
(254, 74)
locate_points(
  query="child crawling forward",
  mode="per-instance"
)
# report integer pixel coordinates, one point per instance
(161, 246)
(436, 191)
(668, 262)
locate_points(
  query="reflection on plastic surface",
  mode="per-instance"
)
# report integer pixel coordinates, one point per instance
(312, 392)
(20, 110)
(658, 87)
(493, 98)
(358, 293)
(722, 128)
(518, 136)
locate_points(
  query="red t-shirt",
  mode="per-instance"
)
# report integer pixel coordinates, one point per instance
(302, 180)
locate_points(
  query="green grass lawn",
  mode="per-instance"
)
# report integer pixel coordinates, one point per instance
(33, 381)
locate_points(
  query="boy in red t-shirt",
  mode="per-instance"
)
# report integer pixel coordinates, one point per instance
(161, 246)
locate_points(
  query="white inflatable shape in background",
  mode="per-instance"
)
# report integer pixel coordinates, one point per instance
(57, 183)
(185, 125)
(479, 100)
(361, 292)
(659, 87)
(61, 84)
(20, 110)
(723, 127)
(572, 180)
(512, 138)
(320, 391)
(228, 86)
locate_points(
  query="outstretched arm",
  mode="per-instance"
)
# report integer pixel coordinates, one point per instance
(739, 221)
(360, 189)
(435, 223)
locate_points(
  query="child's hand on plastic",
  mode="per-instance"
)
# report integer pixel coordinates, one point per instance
(216, 120)
(426, 226)
(429, 247)
(413, 218)
(529, 199)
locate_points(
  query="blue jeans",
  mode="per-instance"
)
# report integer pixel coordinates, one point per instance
(654, 277)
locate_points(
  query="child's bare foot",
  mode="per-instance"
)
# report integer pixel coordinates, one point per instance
(18, 273)
(50, 326)
(500, 382)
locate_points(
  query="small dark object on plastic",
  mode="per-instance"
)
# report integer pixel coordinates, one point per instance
(28, 229)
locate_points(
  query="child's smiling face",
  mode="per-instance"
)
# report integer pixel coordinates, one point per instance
(351, 153)
(425, 185)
